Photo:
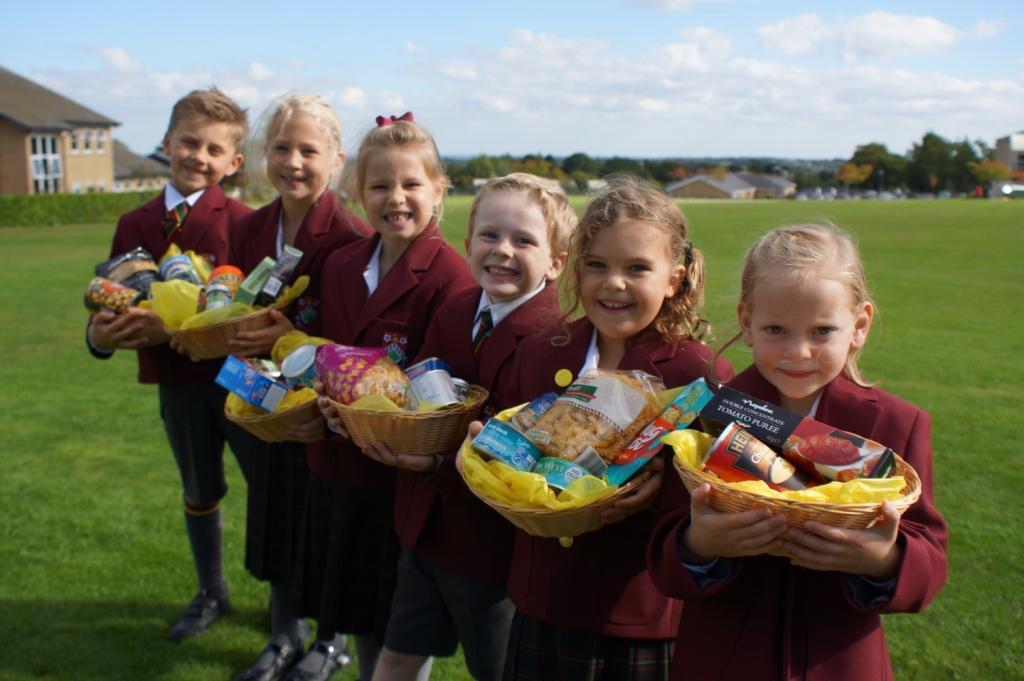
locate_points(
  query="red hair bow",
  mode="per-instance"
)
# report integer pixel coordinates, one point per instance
(388, 120)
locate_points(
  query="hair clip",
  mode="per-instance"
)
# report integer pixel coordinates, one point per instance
(383, 121)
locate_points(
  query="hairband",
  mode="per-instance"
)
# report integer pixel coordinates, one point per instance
(383, 121)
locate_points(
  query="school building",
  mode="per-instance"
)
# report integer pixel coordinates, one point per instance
(732, 186)
(50, 144)
(1010, 151)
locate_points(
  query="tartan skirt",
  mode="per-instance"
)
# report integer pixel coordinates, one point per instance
(347, 563)
(538, 651)
(278, 478)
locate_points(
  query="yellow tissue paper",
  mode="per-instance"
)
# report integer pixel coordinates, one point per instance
(505, 485)
(296, 397)
(690, 446)
(174, 301)
(291, 340)
(216, 315)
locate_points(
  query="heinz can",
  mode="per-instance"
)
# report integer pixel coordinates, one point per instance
(434, 386)
(298, 368)
(229, 276)
(737, 455)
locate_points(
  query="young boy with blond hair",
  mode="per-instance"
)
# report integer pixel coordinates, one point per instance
(203, 142)
(449, 590)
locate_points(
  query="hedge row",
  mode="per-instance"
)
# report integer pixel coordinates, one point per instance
(63, 209)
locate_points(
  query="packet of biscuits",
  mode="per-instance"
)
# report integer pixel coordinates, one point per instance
(350, 374)
(597, 416)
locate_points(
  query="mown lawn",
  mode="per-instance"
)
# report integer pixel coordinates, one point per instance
(94, 560)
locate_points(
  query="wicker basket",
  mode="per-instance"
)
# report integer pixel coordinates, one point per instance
(210, 342)
(271, 427)
(855, 516)
(411, 432)
(542, 522)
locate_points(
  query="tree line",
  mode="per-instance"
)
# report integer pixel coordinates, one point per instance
(934, 164)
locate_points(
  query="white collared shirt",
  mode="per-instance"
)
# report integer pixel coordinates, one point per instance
(593, 355)
(371, 275)
(172, 197)
(280, 234)
(501, 310)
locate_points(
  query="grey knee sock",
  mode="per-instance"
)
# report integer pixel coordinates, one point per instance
(204, 535)
(285, 623)
(367, 652)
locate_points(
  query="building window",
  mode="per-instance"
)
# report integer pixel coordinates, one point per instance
(74, 141)
(101, 139)
(87, 141)
(46, 166)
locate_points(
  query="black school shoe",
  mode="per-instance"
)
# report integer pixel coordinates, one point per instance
(335, 659)
(203, 611)
(285, 656)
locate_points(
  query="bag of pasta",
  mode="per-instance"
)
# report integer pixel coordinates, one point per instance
(597, 416)
(350, 373)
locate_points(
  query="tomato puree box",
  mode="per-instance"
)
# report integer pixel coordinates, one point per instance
(827, 453)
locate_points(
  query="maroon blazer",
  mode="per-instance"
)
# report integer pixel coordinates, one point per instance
(395, 317)
(205, 231)
(436, 515)
(327, 227)
(771, 620)
(600, 584)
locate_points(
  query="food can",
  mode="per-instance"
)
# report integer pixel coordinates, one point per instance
(429, 364)
(229, 276)
(214, 296)
(559, 473)
(105, 294)
(462, 389)
(179, 267)
(737, 455)
(434, 387)
(298, 368)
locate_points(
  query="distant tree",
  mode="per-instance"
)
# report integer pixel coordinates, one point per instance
(480, 166)
(987, 172)
(853, 174)
(618, 164)
(678, 173)
(931, 164)
(719, 172)
(756, 166)
(986, 152)
(889, 169)
(580, 162)
(962, 175)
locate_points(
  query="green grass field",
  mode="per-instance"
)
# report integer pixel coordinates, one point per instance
(94, 559)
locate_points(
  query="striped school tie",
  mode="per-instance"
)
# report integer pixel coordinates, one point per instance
(486, 324)
(173, 219)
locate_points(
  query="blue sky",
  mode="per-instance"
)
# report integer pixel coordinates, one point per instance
(629, 77)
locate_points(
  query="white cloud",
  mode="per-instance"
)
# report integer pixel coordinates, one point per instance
(715, 42)
(801, 34)
(259, 72)
(118, 59)
(352, 96)
(987, 28)
(293, 63)
(462, 70)
(875, 34)
(412, 48)
(390, 102)
(652, 104)
(881, 34)
(673, 5)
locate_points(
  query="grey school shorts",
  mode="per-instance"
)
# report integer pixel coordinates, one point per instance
(435, 610)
